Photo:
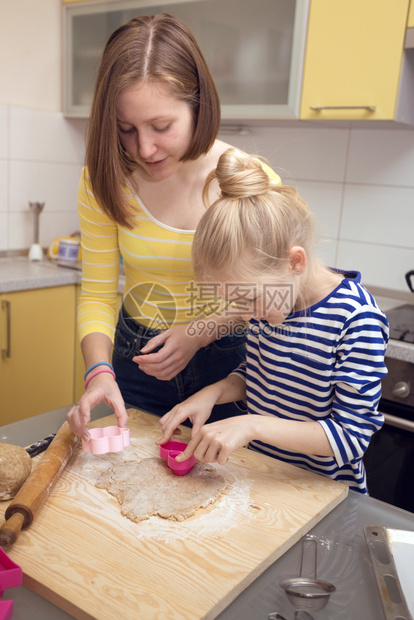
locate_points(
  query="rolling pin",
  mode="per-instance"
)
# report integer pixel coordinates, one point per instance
(30, 498)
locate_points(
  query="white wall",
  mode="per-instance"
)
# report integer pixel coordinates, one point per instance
(359, 182)
(30, 52)
(360, 185)
(41, 156)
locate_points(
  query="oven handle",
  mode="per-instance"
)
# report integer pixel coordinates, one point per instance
(405, 425)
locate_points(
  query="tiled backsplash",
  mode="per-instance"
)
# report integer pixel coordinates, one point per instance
(360, 185)
(358, 182)
(41, 155)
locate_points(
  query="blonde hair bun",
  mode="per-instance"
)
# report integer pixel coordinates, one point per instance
(241, 176)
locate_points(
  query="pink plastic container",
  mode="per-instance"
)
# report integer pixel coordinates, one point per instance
(6, 610)
(106, 439)
(170, 450)
(10, 573)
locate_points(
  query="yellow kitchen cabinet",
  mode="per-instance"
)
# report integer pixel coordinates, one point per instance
(353, 59)
(79, 362)
(410, 22)
(409, 37)
(37, 341)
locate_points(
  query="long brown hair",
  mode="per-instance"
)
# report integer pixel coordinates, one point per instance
(160, 48)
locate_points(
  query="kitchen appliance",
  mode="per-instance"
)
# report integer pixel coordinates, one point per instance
(389, 460)
(392, 566)
(36, 252)
(408, 277)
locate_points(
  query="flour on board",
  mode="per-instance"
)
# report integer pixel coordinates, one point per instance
(215, 519)
(149, 487)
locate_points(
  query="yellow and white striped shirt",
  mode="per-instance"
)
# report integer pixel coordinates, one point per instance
(158, 289)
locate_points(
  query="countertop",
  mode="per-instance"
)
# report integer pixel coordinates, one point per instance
(18, 274)
(343, 554)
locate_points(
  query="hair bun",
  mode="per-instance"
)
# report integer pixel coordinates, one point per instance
(241, 176)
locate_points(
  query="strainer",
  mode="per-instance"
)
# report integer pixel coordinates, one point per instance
(308, 593)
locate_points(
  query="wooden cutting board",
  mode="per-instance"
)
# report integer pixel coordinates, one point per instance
(85, 557)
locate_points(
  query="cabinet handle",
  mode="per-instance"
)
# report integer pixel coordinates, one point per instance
(5, 305)
(318, 108)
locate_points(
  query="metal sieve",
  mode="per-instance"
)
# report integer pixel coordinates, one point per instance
(308, 593)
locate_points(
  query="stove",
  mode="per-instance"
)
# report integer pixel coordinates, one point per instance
(401, 320)
(389, 460)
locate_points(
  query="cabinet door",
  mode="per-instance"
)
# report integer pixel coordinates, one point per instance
(353, 59)
(254, 50)
(410, 21)
(37, 335)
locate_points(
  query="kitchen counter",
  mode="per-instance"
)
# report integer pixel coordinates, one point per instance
(343, 554)
(18, 274)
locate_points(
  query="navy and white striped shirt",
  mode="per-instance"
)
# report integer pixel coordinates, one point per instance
(323, 364)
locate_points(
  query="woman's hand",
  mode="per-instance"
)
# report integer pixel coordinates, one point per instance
(102, 388)
(177, 350)
(214, 443)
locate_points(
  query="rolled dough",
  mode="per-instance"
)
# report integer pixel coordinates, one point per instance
(149, 487)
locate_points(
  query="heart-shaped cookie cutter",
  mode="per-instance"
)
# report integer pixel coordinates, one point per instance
(170, 450)
(106, 439)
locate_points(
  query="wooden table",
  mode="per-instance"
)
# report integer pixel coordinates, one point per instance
(85, 557)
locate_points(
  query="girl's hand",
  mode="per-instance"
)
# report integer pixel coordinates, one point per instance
(177, 350)
(102, 388)
(214, 443)
(197, 408)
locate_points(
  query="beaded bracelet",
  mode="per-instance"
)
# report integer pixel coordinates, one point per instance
(98, 372)
(95, 366)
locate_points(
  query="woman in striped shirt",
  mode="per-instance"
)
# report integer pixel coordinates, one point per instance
(151, 143)
(311, 380)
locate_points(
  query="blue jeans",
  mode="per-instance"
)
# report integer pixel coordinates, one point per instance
(145, 392)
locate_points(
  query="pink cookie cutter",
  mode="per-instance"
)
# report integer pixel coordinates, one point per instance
(106, 439)
(170, 450)
(10, 573)
(6, 610)
(10, 577)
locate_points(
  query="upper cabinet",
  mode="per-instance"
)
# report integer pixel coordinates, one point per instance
(254, 49)
(270, 59)
(353, 59)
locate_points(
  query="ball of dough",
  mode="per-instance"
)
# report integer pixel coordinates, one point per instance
(15, 466)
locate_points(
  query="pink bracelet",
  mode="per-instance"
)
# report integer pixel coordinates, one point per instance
(98, 372)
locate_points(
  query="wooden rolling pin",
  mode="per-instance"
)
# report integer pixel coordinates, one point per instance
(30, 498)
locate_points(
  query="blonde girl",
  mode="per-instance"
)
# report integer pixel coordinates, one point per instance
(311, 380)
